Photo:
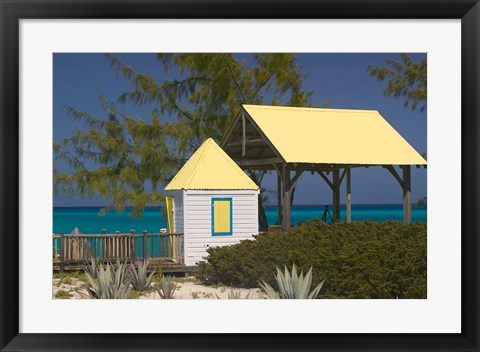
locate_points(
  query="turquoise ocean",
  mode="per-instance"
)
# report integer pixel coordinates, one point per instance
(88, 220)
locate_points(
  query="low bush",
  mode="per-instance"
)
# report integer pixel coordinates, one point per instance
(62, 294)
(357, 259)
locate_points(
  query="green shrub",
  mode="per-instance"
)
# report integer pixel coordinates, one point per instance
(62, 294)
(358, 259)
(135, 294)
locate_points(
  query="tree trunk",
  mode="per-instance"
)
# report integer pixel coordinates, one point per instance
(262, 216)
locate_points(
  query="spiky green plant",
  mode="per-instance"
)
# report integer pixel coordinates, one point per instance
(110, 283)
(237, 294)
(292, 286)
(166, 287)
(92, 267)
(139, 276)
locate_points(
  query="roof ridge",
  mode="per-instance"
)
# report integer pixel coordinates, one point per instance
(306, 108)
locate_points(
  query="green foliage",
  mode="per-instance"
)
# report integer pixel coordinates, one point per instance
(139, 276)
(166, 287)
(62, 294)
(80, 275)
(358, 259)
(133, 157)
(133, 294)
(292, 286)
(109, 283)
(406, 79)
(66, 281)
(421, 203)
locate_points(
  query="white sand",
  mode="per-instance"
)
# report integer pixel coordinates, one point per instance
(186, 289)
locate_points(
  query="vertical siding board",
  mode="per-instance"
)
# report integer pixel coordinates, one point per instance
(197, 217)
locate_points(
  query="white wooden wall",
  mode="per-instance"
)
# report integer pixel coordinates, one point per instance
(177, 211)
(197, 212)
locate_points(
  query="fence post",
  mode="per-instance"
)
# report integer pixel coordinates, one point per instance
(133, 248)
(62, 243)
(144, 245)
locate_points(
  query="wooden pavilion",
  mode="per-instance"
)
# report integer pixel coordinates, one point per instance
(294, 140)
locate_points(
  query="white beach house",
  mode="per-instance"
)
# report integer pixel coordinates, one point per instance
(214, 202)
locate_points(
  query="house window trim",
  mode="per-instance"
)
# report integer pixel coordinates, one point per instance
(230, 233)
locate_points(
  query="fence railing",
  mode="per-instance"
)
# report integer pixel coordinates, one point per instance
(77, 248)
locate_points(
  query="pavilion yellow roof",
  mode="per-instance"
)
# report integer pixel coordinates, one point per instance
(210, 168)
(333, 136)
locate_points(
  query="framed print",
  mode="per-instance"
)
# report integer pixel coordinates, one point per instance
(217, 124)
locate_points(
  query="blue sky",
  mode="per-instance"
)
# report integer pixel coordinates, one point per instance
(341, 79)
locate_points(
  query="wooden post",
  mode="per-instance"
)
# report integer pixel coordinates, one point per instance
(336, 194)
(279, 198)
(62, 244)
(286, 197)
(144, 245)
(349, 199)
(132, 245)
(244, 134)
(407, 195)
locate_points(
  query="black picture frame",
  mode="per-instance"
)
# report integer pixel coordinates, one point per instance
(12, 11)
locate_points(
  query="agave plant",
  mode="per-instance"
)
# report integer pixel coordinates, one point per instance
(166, 287)
(292, 286)
(109, 283)
(92, 267)
(139, 276)
(237, 294)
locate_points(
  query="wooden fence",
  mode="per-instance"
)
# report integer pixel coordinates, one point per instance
(78, 249)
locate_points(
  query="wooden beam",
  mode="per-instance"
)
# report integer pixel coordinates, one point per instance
(244, 132)
(258, 162)
(343, 175)
(279, 168)
(293, 181)
(260, 152)
(407, 195)
(251, 142)
(349, 199)
(260, 132)
(394, 173)
(230, 130)
(286, 197)
(330, 184)
(336, 195)
(279, 198)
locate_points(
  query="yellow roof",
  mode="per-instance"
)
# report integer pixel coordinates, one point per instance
(211, 168)
(333, 136)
